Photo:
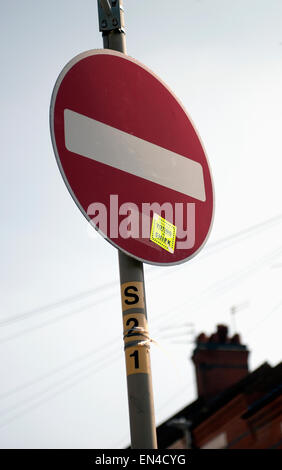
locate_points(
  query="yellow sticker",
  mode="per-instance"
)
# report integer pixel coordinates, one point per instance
(163, 233)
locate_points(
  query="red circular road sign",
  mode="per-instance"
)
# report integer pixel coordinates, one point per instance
(131, 158)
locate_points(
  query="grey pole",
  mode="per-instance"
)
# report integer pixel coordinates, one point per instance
(111, 24)
(137, 354)
(136, 336)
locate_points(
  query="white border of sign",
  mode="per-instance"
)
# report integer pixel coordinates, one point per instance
(60, 78)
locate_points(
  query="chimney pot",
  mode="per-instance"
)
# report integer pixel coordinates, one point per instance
(219, 361)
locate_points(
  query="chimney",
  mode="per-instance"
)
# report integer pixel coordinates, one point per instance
(219, 361)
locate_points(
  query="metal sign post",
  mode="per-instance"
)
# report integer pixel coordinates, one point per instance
(135, 326)
(122, 140)
(137, 354)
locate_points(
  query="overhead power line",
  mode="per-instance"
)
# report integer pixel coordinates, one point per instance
(52, 321)
(246, 232)
(56, 304)
(257, 325)
(43, 396)
(220, 287)
(216, 288)
(226, 242)
(208, 250)
(82, 358)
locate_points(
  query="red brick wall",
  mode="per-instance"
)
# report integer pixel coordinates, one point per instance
(266, 426)
(263, 430)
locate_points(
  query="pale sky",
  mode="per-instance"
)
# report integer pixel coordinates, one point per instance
(62, 370)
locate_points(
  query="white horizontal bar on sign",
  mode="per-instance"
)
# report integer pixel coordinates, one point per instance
(105, 144)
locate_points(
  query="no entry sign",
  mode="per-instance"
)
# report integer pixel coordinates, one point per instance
(131, 157)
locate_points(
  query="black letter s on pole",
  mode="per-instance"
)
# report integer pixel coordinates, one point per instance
(130, 294)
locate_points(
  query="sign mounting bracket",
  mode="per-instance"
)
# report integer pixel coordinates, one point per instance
(110, 15)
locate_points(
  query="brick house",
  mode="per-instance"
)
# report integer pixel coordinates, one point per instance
(235, 409)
